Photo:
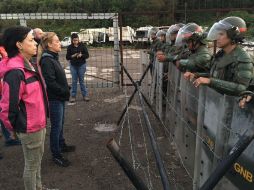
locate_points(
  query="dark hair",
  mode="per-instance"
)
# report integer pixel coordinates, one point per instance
(74, 35)
(13, 35)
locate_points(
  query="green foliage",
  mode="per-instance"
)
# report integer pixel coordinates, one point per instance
(64, 27)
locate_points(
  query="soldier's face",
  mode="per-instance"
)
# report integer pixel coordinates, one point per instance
(190, 45)
(223, 40)
(173, 37)
(162, 38)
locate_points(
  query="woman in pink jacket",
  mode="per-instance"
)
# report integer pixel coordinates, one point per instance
(24, 106)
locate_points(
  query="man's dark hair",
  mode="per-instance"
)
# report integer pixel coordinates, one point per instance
(13, 35)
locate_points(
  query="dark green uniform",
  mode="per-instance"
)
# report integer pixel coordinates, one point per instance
(153, 49)
(164, 47)
(176, 53)
(231, 73)
(198, 61)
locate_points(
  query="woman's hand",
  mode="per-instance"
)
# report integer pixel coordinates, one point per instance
(79, 55)
(74, 55)
(188, 76)
(244, 101)
(201, 80)
(160, 56)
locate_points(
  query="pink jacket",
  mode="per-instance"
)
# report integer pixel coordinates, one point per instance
(24, 105)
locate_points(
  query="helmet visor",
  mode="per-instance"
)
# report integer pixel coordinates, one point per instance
(182, 36)
(152, 32)
(217, 29)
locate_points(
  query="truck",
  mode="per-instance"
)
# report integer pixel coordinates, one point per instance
(93, 35)
(141, 34)
(127, 34)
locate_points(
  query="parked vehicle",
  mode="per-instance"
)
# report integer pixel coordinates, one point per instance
(128, 34)
(141, 34)
(66, 41)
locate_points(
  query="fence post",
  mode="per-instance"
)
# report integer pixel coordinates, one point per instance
(200, 124)
(116, 49)
(144, 62)
(153, 85)
(159, 84)
(22, 22)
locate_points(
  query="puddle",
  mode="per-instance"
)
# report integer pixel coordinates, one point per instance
(135, 108)
(105, 127)
(71, 104)
(114, 100)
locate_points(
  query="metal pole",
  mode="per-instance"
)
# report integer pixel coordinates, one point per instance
(22, 22)
(155, 148)
(185, 12)
(200, 124)
(120, 16)
(116, 48)
(132, 96)
(125, 165)
(227, 162)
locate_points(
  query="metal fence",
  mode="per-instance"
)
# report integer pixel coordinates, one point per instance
(103, 44)
(204, 124)
(135, 38)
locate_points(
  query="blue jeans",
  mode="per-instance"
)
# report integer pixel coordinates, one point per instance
(56, 113)
(78, 73)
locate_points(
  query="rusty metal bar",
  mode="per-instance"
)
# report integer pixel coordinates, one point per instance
(158, 159)
(125, 165)
(132, 96)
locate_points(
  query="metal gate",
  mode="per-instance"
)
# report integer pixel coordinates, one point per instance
(134, 39)
(103, 45)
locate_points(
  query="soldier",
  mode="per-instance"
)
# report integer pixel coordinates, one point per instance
(154, 45)
(192, 36)
(164, 46)
(232, 67)
(172, 51)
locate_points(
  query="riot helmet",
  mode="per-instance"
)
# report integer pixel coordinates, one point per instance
(234, 27)
(191, 32)
(161, 34)
(172, 32)
(152, 32)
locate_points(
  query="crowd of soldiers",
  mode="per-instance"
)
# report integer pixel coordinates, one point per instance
(229, 70)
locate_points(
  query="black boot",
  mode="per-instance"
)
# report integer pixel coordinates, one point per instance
(61, 161)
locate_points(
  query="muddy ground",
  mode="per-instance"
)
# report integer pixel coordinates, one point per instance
(92, 166)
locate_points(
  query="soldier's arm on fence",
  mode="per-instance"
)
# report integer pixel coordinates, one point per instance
(226, 87)
(197, 63)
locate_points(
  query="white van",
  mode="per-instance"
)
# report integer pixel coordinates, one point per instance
(66, 42)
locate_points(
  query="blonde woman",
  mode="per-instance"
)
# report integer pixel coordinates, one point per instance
(58, 93)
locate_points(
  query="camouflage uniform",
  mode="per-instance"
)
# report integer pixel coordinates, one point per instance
(164, 47)
(231, 73)
(153, 49)
(198, 61)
